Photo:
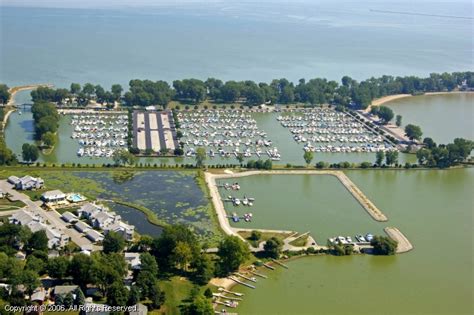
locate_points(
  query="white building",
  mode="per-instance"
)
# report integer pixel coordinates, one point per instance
(53, 196)
(26, 182)
(133, 260)
(35, 223)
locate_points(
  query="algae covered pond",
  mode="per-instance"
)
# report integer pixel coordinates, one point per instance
(175, 197)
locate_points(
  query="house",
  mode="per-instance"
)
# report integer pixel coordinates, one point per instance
(35, 223)
(69, 217)
(24, 217)
(39, 295)
(139, 309)
(82, 227)
(26, 182)
(102, 219)
(94, 236)
(64, 289)
(125, 230)
(88, 210)
(53, 196)
(20, 256)
(133, 260)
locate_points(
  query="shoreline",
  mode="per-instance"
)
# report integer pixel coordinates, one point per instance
(11, 102)
(389, 98)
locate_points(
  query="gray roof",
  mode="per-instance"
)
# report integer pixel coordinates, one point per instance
(82, 226)
(68, 216)
(93, 235)
(64, 289)
(53, 194)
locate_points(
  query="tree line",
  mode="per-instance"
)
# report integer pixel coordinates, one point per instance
(348, 92)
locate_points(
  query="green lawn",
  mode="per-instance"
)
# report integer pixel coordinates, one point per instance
(6, 205)
(300, 241)
(176, 290)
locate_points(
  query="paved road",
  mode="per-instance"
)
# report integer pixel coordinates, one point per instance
(53, 217)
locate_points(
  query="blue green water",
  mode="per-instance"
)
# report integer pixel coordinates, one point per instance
(230, 40)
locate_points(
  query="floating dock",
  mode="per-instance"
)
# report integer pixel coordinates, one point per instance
(245, 277)
(259, 274)
(280, 263)
(242, 283)
(269, 267)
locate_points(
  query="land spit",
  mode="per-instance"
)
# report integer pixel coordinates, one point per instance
(404, 244)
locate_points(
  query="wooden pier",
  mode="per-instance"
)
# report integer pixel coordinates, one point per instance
(280, 263)
(269, 267)
(226, 297)
(259, 274)
(245, 277)
(231, 292)
(242, 283)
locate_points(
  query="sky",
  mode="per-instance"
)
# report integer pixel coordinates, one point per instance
(146, 3)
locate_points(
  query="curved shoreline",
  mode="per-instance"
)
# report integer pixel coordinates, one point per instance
(389, 98)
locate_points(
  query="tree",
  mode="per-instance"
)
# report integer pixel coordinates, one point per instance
(255, 235)
(4, 94)
(117, 91)
(272, 247)
(80, 269)
(232, 253)
(148, 263)
(182, 255)
(134, 296)
(35, 264)
(423, 155)
(68, 300)
(145, 282)
(163, 248)
(398, 120)
(200, 306)
(123, 157)
(75, 88)
(413, 132)
(113, 243)
(6, 155)
(107, 269)
(379, 156)
(117, 294)
(29, 152)
(391, 157)
(384, 245)
(157, 297)
(385, 113)
(429, 143)
(200, 157)
(38, 241)
(80, 298)
(48, 139)
(30, 280)
(308, 157)
(203, 269)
